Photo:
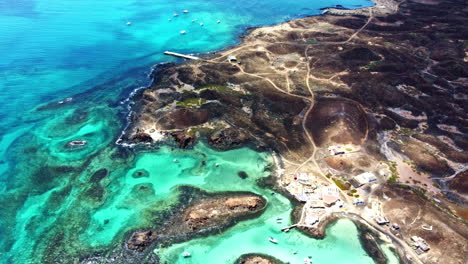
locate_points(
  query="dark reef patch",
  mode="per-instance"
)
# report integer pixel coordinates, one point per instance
(140, 173)
(99, 175)
(243, 174)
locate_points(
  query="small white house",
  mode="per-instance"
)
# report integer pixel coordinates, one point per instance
(232, 59)
(364, 178)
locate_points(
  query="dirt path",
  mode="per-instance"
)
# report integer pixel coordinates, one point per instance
(409, 253)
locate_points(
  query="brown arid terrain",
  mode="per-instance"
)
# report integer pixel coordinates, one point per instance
(418, 217)
(201, 216)
(379, 91)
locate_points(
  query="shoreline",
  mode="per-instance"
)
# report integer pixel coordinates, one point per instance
(165, 138)
(207, 56)
(250, 39)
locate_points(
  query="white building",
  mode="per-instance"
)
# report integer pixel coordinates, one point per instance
(364, 178)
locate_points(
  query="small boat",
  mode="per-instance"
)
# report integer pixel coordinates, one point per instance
(77, 143)
(169, 19)
(194, 20)
(279, 218)
(175, 14)
(307, 260)
(279, 221)
(219, 21)
(129, 23)
(186, 11)
(176, 160)
(294, 252)
(186, 255)
(201, 24)
(183, 32)
(272, 240)
(217, 164)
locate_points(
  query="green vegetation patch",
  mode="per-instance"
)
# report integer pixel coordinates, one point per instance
(371, 65)
(406, 131)
(392, 166)
(341, 184)
(221, 88)
(192, 102)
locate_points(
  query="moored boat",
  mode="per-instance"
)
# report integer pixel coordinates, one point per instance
(272, 240)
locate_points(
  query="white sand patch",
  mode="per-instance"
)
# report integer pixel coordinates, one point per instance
(157, 135)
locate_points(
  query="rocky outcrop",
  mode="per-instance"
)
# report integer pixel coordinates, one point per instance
(141, 137)
(140, 240)
(213, 212)
(182, 139)
(228, 138)
(257, 258)
(203, 214)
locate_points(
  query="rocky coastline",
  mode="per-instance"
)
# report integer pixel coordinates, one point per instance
(390, 69)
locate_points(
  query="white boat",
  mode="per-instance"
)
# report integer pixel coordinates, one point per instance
(186, 11)
(77, 143)
(272, 240)
(169, 19)
(217, 164)
(186, 255)
(279, 221)
(219, 21)
(307, 261)
(201, 24)
(176, 160)
(194, 20)
(129, 23)
(175, 14)
(183, 32)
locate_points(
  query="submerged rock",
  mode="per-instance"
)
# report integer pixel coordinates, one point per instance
(141, 173)
(243, 174)
(141, 240)
(99, 175)
(371, 246)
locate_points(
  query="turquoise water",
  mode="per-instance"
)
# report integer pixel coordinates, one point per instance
(55, 206)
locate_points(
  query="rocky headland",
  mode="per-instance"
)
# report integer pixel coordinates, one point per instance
(201, 216)
(389, 81)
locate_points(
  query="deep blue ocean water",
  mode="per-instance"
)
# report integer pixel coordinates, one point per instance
(84, 50)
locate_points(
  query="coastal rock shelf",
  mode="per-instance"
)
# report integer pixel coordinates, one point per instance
(201, 216)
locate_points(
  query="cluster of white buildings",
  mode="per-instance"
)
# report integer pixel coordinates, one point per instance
(420, 244)
(306, 189)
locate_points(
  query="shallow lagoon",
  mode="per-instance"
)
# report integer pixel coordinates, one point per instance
(53, 206)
